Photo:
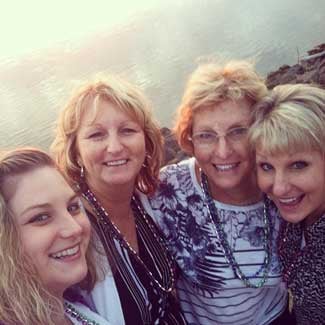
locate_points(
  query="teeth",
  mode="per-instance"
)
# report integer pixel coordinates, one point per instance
(225, 167)
(66, 252)
(289, 200)
(116, 162)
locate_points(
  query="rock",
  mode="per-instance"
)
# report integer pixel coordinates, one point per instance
(310, 69)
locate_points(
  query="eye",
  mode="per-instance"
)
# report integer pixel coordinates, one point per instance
(96, 135)
(237, 132)
(74, 207)
(299, 164)
(265, 166)
(128, 131)
(204, 136)
(40, 218)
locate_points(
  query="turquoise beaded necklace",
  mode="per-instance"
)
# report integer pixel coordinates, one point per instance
(216, 222)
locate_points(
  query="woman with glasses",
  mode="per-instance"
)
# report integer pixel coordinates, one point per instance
(219, 226)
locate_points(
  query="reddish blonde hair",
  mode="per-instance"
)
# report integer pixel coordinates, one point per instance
(211, 84)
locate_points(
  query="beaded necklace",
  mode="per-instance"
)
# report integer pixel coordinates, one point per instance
(140, 214)
(216, 222)
(74, 313)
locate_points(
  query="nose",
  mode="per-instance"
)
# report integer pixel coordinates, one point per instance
(223, 148)
(281, 184)
(114, 144)
(69, 226)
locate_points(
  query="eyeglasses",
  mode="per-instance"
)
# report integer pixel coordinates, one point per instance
(209, 138)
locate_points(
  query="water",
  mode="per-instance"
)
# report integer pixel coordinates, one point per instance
(156, 48)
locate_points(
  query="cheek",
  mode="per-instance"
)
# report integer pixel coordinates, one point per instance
(202, 156)
(264, 182)
(84, 223)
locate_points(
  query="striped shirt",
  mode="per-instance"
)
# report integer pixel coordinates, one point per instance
(208, 290)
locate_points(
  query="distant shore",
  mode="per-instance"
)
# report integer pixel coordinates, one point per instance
(309, 69)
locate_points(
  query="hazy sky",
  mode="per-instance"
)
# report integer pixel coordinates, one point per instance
(29, 25)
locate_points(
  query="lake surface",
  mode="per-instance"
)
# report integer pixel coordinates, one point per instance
(156, 48)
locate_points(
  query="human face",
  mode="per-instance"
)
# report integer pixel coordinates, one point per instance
(54, 229)
(295, 182)
(228, 164)
(111, 147)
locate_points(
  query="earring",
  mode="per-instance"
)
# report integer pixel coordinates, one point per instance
(82, 172)
(147, 158)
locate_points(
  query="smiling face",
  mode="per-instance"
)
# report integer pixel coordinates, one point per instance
(295, 182)
(228, 163)
(54, 230)
(111, 147)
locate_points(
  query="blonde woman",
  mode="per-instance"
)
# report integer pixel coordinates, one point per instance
(289, 137)
(108, 144)
(44, 236)
(218, 225)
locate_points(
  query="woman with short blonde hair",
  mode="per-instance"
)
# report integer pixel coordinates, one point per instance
(289, 138)
(218, 225)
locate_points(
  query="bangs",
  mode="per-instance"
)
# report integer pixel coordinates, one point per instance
(285, 133)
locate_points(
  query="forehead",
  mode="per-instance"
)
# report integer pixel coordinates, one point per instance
(282, 157)
(43, 185)
(100, 109)
(223, 115)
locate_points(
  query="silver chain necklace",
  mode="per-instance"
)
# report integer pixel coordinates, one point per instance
(74, 313)
(229, 256)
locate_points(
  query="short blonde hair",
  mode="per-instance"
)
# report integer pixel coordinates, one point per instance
(24, 300)
(290, 119)
(132, 102)
(211, 84)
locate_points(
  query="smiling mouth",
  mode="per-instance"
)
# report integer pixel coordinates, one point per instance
(66, 253)
(225, 167)
(291, 201)
(114, 163)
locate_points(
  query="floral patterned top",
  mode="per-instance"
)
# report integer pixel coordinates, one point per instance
(209, 291)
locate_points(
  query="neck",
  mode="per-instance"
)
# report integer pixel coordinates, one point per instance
(116, 200)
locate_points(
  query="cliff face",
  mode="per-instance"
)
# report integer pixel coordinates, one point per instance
(309, 69)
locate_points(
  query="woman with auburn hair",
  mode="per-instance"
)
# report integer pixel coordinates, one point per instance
(109, 146)
(289, 137)
(44, 236)
(218, 225)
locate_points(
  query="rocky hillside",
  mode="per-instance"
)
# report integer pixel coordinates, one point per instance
(309, 69)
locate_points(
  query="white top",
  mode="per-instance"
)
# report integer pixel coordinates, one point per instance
(104, 297)
(208, 290)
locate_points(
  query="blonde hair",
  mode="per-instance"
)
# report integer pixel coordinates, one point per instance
(211, 84)
(132, 102)
(24, 300)
(290, 119)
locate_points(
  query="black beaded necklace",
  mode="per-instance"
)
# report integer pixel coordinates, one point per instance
(104, 218)
(216, 222)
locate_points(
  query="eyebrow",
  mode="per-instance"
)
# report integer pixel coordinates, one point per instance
(46, 205)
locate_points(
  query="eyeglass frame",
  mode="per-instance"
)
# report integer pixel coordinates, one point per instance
(215, 136)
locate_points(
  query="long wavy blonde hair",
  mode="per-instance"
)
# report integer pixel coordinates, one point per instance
(23, 298)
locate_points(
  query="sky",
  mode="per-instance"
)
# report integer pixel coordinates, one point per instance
(31, 25)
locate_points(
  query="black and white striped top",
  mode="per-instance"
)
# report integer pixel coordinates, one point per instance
(208, 289)
(140, 299)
